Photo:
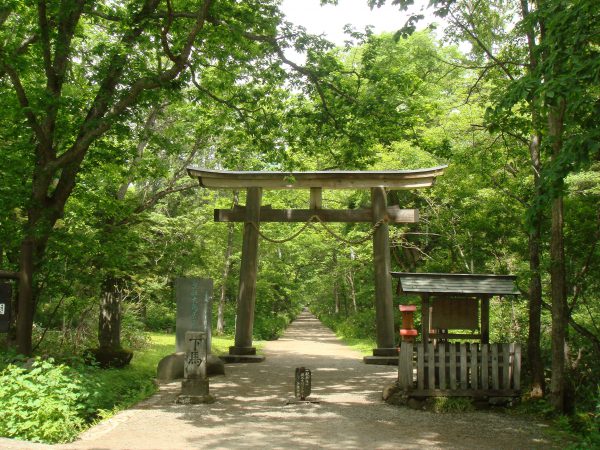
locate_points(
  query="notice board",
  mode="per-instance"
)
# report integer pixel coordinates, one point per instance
(5, 306)
(455, 313)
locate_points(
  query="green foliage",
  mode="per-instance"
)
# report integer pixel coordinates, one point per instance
(47, 403)
(452, 404)
(52, 402)
(358, 325)
(159, 317)
(582, 428)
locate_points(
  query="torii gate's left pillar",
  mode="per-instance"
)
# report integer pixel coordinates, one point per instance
(243, 351)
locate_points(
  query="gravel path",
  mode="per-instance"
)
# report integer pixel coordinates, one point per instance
(250, 410)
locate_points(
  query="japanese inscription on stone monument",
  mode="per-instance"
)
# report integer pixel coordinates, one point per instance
(195, 355)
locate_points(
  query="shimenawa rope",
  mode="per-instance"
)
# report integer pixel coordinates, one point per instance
(310, 223)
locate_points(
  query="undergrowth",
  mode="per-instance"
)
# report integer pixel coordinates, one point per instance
(582, 428)
(52, 401)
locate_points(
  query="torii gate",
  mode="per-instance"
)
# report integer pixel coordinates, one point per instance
(252, 214)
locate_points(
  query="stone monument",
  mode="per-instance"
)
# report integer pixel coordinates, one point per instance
(194, 308)
(194, 312)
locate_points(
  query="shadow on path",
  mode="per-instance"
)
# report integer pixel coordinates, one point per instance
(250, 410)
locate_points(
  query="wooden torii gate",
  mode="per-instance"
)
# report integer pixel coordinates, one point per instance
(252, 214)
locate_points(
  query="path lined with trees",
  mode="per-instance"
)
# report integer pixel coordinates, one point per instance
(250, 410)
(103, 105)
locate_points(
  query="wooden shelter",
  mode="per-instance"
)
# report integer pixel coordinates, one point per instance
(455, 301)
(435, 367)
(379, 214)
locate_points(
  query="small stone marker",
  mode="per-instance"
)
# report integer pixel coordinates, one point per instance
(194, 387)
(5, 298)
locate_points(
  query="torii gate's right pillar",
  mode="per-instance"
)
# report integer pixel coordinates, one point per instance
(384, 311)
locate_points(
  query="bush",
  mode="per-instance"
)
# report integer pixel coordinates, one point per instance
(268, 328)
(358, 325)
(132, 328)
(160, 316)
(48, 403)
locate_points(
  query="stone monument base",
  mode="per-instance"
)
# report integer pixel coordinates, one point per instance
(171, 367)
(194, 399)
(381, 360)
(228, 359)
(242, 355)
(233, 350)
(194, 391)
(383, 357)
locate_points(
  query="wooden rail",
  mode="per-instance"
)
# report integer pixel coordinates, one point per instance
(460, 369)
(8, 275)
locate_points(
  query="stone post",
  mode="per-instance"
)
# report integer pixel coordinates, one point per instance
(194, 387)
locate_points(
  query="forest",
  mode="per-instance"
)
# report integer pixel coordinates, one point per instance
(105, 103)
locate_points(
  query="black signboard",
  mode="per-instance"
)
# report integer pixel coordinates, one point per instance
(5, 298)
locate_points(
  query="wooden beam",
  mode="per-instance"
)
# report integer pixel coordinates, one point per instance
(267, 214)
(384, 310)
(425, 318)
(248, 271)
(454, 336)
(335, 179)
(464, 393)
(485, 319)
(8, 275)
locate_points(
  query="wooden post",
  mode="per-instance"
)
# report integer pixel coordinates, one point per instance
(316, 198)
(485, 319)
(425, 318)
(405, 366)
(248, 271)
(384, 310)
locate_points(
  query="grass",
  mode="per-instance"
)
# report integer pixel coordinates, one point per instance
(164, 343)
(364, 346)
(122, 388)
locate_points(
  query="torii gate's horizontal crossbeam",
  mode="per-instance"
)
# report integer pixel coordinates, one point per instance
(267, 214)
(334, 179)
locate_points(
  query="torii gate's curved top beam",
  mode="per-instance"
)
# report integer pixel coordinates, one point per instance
(334, 179)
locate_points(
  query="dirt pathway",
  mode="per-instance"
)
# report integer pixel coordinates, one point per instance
(250, 410)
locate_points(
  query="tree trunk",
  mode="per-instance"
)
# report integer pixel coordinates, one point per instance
(559, 306)
(26, 299)
(557, 269)
(535, 312)
(352, 290)
(535, 282)
(336, 286)
(226, 268)
(109, 324)
(111, 353)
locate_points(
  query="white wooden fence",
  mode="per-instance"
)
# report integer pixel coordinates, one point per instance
(460, 369)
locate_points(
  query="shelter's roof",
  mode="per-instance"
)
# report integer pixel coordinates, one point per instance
(334, 179)
(455, 283)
